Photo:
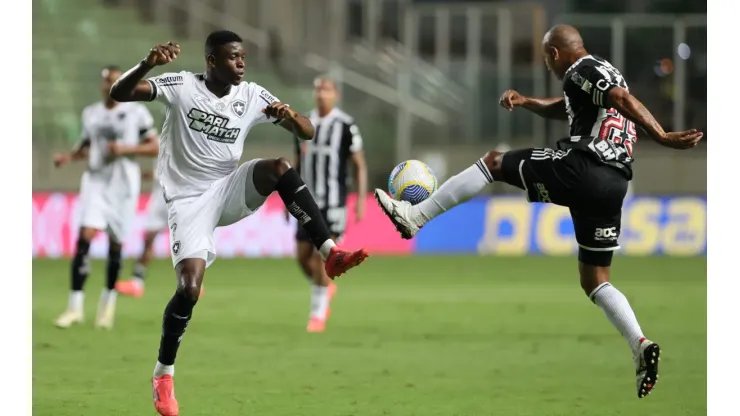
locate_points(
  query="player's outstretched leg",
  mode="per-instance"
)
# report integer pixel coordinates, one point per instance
(107, 306)
(135, 286)
(408, 218)
(277, 175)
(322, 288)
(177, 314)
(595, 282)
(78, 275)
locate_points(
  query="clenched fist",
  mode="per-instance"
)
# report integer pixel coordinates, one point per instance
(162, 54)
(510, 99)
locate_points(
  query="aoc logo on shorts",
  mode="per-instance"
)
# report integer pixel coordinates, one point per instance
(213, 126)
(543, 192)
(606, 234)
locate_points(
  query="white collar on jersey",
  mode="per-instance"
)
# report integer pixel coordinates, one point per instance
(575, 64)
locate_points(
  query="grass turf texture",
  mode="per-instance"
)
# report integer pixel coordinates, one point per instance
(408, 336)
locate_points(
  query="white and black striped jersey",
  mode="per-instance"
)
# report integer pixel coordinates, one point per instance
(586, 89)
(323, 160)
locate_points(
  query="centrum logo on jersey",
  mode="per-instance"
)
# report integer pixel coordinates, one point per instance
(213, 126)
(267, 97)
(170, 81)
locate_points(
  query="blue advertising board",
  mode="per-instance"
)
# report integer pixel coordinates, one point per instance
(674, 226)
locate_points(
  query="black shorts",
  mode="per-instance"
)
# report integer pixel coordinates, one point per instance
(593, 191)
(336, 220)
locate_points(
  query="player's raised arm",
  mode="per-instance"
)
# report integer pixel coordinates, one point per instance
(131, 86)
(552, 108)
(360, 169)
(632, 109)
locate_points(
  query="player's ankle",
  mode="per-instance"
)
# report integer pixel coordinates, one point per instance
(325, 248)
(163, 370)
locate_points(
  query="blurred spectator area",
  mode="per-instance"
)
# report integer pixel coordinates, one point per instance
(422, 77)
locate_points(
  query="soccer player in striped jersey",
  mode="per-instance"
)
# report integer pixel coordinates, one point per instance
(323, 163)
(588, 173)
(209, 116)
(113, 134)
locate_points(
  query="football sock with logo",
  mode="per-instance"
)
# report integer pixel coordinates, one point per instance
(301, 205)
(177, 314)
(454, 191)
(113, 268)
(80, 265)
(619, 312)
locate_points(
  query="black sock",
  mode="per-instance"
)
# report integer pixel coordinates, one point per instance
(177, 314)
(113, 268)
(297, 198)
(80, 265)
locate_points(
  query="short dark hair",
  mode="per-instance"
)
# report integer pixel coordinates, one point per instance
(219, 38)
(108, 69)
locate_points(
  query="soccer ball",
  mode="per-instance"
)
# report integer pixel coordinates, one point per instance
(412, 181)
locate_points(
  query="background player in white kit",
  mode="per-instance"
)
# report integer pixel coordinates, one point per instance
(208, 118)
(112, 135)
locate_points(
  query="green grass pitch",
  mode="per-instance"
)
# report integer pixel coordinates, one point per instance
(467, 336)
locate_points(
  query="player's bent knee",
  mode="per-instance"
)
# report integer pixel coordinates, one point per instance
(493, 161)
(189, 278)
(192, 291)
(190, 288)
(281, 165)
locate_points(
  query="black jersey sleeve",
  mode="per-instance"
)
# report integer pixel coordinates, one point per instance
(594, 81)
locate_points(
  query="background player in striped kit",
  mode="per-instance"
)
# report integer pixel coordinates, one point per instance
(322, 163)
(112, 135)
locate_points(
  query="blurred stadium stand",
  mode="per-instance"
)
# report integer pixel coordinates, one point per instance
(422, 77)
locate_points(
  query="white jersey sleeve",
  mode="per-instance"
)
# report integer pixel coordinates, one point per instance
(260, 98)
(167, 88)
(85, 133)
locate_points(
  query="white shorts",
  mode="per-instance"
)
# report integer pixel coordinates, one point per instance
(156, 210)
(107, 208)
(192, 220)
